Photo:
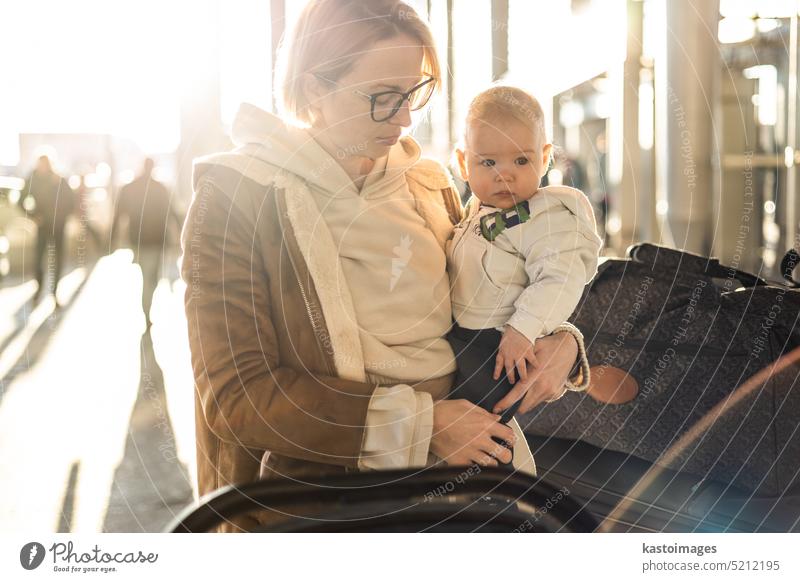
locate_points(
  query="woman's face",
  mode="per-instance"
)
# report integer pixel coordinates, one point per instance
(343, 116)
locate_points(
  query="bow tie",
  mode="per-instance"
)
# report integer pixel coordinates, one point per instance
(496, 222)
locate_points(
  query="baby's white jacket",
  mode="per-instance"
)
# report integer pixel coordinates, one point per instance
(532, 275)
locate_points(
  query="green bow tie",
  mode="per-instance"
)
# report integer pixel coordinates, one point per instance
(496, 222)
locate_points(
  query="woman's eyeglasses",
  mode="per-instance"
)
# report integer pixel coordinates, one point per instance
(385, 104)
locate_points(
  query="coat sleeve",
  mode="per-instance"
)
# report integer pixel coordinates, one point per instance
(399, 428)
(247, 395)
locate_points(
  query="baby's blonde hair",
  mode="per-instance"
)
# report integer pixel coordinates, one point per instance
(503, 102)
(330, 35)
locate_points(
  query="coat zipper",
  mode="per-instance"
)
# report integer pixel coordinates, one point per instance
(307, 303)
(311, 318)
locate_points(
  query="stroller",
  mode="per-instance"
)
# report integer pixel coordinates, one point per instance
(448, 499)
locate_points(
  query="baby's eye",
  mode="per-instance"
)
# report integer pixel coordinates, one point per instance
(521, 161)
(487, 163)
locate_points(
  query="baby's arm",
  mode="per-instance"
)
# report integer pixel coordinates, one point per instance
(514, 353)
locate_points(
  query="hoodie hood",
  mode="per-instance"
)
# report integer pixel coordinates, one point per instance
(265, 137)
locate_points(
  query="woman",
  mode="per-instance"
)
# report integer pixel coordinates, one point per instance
(317, 298)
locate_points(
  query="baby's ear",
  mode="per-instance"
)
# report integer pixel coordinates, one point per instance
(547, 155)
(461, 158)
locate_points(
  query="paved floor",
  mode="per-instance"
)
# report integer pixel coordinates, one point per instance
(96, 414)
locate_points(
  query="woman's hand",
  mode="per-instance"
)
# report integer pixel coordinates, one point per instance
(514, 353)
(462, 434)
(556, 355)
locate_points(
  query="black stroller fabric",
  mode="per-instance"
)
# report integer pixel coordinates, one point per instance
(689, 331)
(443, 499)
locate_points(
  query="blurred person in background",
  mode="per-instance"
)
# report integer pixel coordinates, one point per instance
(82, 195)
(48, 200)
(146, 203)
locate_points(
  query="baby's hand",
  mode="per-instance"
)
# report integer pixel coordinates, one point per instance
(515, 351)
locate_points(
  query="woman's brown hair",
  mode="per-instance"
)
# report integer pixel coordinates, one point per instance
(330, 35)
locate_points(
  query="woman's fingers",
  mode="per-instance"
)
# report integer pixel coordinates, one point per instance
(463, 433)
(498, 451)
(502, 432)
(486, 446)
(532, 399)
(498, 366)
(522, 368)
(544, 389)
(509, 363)
(502, 454)
(484, 459)
(556, 354)
(516, 392)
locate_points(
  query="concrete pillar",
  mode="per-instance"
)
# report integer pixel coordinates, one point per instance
(625, 167)
(738, 210)
(791, 209)
(685, 106)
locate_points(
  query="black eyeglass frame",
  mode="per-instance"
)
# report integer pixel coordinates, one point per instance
(403, 96)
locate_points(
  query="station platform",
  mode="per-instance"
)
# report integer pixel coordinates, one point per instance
(96, 411)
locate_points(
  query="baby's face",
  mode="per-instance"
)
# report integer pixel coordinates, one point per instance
(504, 162)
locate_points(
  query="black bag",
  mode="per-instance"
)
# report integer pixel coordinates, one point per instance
(674, 502)
(681, 328)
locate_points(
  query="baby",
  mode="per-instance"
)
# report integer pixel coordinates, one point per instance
(521, 257)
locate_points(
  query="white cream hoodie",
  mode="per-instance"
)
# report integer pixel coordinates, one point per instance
(394, 269)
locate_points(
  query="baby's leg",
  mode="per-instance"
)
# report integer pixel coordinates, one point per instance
(475, 352)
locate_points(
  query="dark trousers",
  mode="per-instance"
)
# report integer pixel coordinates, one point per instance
(476, 350)
(49, 236)
(148, 257)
